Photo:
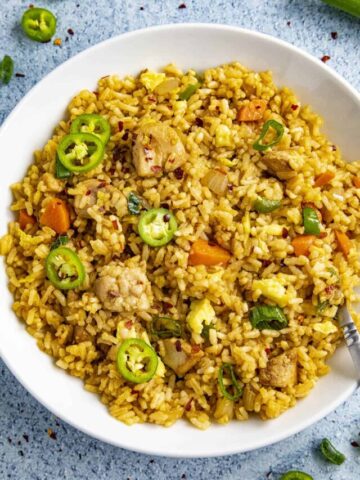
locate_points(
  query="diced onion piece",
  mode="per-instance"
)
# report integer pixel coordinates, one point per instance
(167, 86)
(216, 181)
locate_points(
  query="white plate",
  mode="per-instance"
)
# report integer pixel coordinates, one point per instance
(30, 125)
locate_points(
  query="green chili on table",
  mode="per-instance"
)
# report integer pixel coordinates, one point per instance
(267, 317)
(296, 475)
(6, 69)
(237, 388)
(263, 205)
(331, 453)
(311, 221)
(348, 6)
(279, 130)
(166, 327)
(64, 268)
(189, 91)
(157, 227)
(136, 360)
(80, 152)
(39, 24)
(92, 123)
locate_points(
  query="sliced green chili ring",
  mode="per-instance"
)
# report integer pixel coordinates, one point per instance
(189, 91)
(279, 130)
(157, 227)
(267, 317)
(311, 221)
(64, 268)
(136, 360)
(237, 388)
(60, 170)
(263, 205)
(92, 123)
(166, 327)
(296, 475)
(134, 204)
(6, 69)
(331, 453)
(60, 241)
(39, 24)
(80, 152)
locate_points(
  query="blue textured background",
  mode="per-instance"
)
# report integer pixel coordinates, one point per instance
(26, 450)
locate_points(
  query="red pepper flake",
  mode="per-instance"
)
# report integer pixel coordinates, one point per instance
(334, 35)
(51, 434)
(199, 122)
(181, 6)
(156, 168)
(179, 173)
(178, 346)
(329, 289)
(285, 233)
(322, 235)
(120, 126)
(355, 444)
(125, 136)
(128, 324)
(325, 58)
(288, 23)
(230, 187)
(167, 305)
(152, 98)
(333, 148)
(19, 75)
(115, 224)
(294, 107)
(266, 263)
(70, 31)
(112, 171)
(188, 407)
(195, 348)
(267, 350)
(88, 192)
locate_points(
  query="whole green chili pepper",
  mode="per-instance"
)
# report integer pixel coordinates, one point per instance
(330, 452)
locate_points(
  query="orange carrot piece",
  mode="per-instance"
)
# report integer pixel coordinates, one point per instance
(356, 182)
(323, 179)
(253, 111)
(302, 244)
(343, 242)
(205, 253)
(56, 216)
(25, 219)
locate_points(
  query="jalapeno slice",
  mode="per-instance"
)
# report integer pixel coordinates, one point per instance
(80, 152)
(296, 475)
(92, 123)
(157, 227)
(64, 269)
(6, 69)
(39, 24)
(136, 360)
(60, 170)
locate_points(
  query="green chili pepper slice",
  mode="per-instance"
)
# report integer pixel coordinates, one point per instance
(157, 227)
(60, 170)
(80, 152)
(136, 360)
(311, 221)
(331, 453)
(267, 317)
(39, 24)
(188, 91)
(263, 205)
(92, 123)
(166, 327)
(60, 241)
(296, 475)
(279, 130)
(64, 268)
(237, 388)
(6, 69)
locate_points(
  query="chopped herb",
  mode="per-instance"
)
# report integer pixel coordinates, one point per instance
(267, 317)
(189, 91)
(134, 204)
(6, 69)
(61, 240)
(206, 332)
(166, 327)
(322, 306)
(237, 388)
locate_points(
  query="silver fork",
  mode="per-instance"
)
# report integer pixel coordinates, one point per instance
(351, 335)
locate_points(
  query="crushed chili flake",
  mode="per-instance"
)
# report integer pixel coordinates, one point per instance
(165, 205)
(26, 437)
(333, 148)
(58, 42)
(334, 35)
(265, 263)
(178, 346)
(125, 136)
(195, 348)
(152, 98)
(294, 107)
(188, 408)
(88, 192)
(141, 8)
(322, 235)
(325, 58)
(199, 122)
(288, 23)
(285, 233)
(355, 444)
(112, 170)
(181, 6)
(120, 126)
(167, 305)
(156, 168)
(115, 224)
(19, 75)
(179, 173)
(51, 434)
(70, 31)
(267, 350)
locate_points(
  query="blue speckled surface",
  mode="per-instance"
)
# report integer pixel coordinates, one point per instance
(26, 450)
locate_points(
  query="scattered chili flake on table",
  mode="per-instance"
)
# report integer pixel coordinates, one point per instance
(120, 126)
(26, 437)
(70, 31)
(181, 6)
(19, 75)
(334, 35)
(288, 23)
(355, 444)
(325, 58)
(51, 434)
(58, 42)
(141, 8)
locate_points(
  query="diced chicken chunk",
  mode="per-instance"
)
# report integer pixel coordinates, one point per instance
(157, 148)
(123, 289)
(179, 355)
(281, 371)
(283, 164)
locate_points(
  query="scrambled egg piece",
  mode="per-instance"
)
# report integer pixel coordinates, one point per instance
(246, 223)
(325, 327)
(223, 137)
(272, 289)
(201, 312)
(151, 80)
(273, 229)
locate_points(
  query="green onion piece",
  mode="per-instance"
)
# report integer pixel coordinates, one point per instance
(348, 6)
(296, 475)
(263, 205)
(320, 307)
(311, 221)
(205, 332)
(165, 327)
(267, 317)
(6, 69)
(279, 130)
(61, 240)
(237, 388)
(134, 204)
(330, 452)
(60, 170)
(189, 91)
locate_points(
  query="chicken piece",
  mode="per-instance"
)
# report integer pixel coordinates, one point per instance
(283, 164)
(157, 148)
(123, 289)
(281, 371)
(179, 355)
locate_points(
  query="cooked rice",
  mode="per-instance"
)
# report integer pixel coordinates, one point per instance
(81, 336)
